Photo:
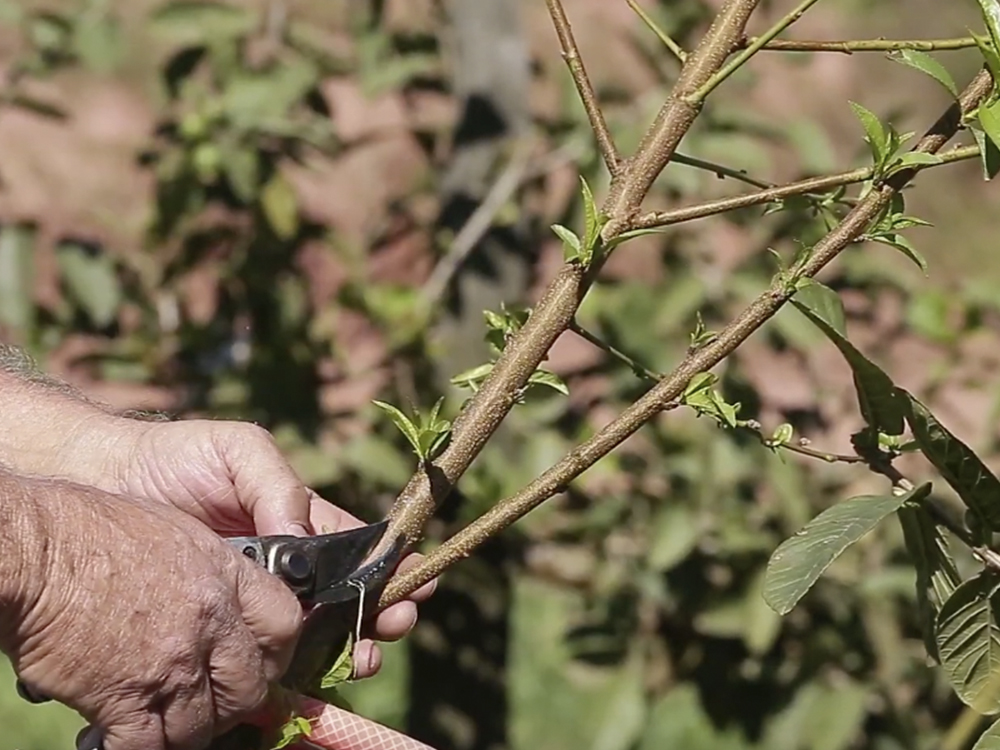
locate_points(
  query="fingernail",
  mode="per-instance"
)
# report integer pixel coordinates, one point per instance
(371, 657)
(298, 529)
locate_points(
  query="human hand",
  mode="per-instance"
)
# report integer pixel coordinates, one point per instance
(138, 616)
(232, 477)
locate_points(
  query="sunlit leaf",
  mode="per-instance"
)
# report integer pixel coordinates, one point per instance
(295, 729)
(990, 739)
(572, 246)
(188, 21)
(798, 562)
(403, 423)
(968, 638)
(976, 485)
(876, 134)
(990, 10)
(989, 118)
(550, 380)
(280, 206)
(926, 64)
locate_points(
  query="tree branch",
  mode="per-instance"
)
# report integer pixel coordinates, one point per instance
(752, 49)
(811, 185)
(585, 455)
(554, 312)
(571, 54)
(865, 45)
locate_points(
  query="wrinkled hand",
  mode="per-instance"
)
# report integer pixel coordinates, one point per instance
(141, 618)
(232, 477)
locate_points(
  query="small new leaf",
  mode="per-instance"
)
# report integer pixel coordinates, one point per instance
(294, 730)
(926, 64)
(342, 669)
(473, 378)
(572, 247)
(403, 423)
(549, 380)
(427, 435)
(782, 436)
(876, 135)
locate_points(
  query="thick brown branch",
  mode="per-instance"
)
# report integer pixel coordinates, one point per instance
(571, 54)
(552, 315)
(676, 115)
(557, 478)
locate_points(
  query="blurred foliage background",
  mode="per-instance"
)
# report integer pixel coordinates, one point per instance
(245, 211)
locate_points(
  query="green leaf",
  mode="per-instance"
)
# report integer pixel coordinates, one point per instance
(92, 282)
(926, 64)
(404, 425)
(968, 640)
(242, 168)
(593, 222)
(899, 242)
(292, 731)
(799, 561)
(937, 577)
(699, 382)
(990, 10)
(200, 21)
(632, 234)
(989, 118)
(280, 206)
(342, 669)
(880, 405)
(911, 159)
(990, 739)
(823, 302)
(782, 435)
(17, 272)
(473, 378)
(674, 536)
(572, 248)
(976, 485)
(875, 134)
(989, 154)
(989, 51)
(550, 380)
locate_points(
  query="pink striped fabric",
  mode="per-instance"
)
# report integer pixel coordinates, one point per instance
(334, 728)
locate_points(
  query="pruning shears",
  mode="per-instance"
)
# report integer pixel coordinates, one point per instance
(338, 578)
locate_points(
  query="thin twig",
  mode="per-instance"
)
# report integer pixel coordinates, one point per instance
(585, 455)
(850, 46)
(719, 170)
(752, 49)
(639, 369)
(478, 224)
(770, 195)
(571, 54)
(663, 36)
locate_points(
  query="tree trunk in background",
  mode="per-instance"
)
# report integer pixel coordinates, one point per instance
(458, 698)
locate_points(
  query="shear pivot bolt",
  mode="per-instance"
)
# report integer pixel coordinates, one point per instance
(295, 566)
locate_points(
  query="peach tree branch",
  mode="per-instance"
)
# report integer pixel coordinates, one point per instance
(668, 390)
